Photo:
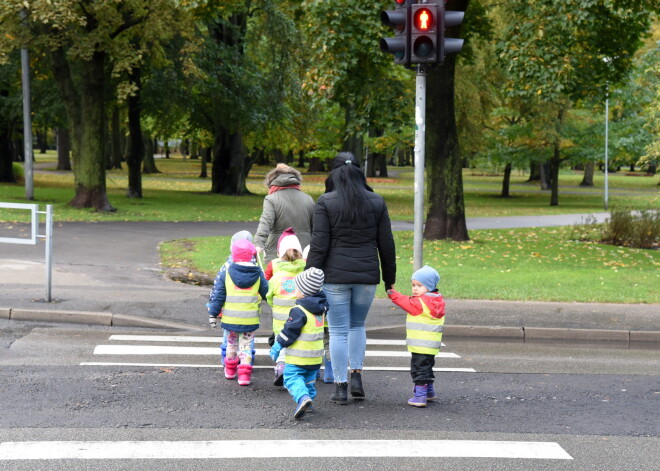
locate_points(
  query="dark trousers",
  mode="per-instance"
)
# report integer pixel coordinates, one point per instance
(421, 368)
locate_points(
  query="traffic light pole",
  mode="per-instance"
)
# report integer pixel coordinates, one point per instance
(420, 134)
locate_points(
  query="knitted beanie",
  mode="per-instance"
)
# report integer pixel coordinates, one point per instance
(427, 276)
(310, 281)
(243, 251)
(288, 240)
(240, 235)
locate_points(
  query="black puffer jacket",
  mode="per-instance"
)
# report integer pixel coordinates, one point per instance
(349, 253)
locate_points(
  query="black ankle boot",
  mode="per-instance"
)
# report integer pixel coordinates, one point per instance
(341, 394)
(356, 385)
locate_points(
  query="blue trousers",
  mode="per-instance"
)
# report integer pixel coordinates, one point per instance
(299, 381)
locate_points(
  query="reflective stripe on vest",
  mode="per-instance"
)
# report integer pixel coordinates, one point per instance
(308, 347)
(241, 304)
(424, 332)
(284, 302)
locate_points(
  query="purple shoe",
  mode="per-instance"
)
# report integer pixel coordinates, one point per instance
(419, 398)
(279, 374)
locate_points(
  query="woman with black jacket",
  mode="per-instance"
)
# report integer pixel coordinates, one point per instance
(351, 242)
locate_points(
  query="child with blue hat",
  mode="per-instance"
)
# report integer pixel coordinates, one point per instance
(424, 325)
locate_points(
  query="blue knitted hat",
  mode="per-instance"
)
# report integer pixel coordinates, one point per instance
(427, 276)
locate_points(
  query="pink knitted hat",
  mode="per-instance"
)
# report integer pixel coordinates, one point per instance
(243, 251)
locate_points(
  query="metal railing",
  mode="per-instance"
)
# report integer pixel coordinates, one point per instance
(32, 240)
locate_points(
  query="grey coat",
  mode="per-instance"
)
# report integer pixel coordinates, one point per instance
(283, 209)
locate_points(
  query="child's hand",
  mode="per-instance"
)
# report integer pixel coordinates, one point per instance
(213, 322)
(275, 350)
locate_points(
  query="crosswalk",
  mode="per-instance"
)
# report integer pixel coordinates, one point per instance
(183, 351)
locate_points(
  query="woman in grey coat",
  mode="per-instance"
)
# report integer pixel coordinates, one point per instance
(286, 205)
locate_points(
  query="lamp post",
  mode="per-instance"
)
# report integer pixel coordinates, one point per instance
(27, 119)
(607, 115)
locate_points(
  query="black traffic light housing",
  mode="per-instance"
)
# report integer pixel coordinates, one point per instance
(447, 20)
(424, 34)
(399, 18)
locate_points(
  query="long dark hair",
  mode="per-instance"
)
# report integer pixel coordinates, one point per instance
(347, 179)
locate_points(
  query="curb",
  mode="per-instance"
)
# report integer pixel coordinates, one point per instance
(544, 334)
(93, 318)
(521, 334)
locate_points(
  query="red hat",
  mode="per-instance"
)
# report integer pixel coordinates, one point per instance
(243, 251)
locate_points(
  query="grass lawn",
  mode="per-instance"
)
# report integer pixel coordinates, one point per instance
(538, 264)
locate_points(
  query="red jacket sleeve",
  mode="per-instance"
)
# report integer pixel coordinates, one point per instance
(268, 272)
(410, 304)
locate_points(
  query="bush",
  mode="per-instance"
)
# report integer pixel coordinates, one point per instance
(17, 170)
(640, 229)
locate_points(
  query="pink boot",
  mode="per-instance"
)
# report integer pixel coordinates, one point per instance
(244, 375)
(230, 367)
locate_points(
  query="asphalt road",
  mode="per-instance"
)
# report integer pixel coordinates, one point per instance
(599, 405)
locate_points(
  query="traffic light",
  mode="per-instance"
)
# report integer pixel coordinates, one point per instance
(447, 20)
(424, 34)
(399, 18)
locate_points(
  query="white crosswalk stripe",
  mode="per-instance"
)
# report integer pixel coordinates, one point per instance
(146, 347)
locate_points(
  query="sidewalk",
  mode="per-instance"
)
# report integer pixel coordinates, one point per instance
(108, 274)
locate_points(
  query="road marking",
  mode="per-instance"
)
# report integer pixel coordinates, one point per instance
(191, 339)
(233, 449)
(186, 365)
(172, 350)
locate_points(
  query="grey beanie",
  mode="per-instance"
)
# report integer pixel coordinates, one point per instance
(310, 281)
(239, 236)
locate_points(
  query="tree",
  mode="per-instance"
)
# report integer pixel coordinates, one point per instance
(87, 41)
(554, 54)
(10, 114)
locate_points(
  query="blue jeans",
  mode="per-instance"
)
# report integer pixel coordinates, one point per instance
(299, 381)
(348, 306)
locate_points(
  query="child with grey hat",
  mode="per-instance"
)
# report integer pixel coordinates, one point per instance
(424, 324)
(302, 336)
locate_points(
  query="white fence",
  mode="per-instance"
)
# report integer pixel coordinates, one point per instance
(32, 240)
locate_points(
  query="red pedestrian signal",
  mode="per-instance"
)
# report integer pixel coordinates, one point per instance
(424, 19)
(424, 34)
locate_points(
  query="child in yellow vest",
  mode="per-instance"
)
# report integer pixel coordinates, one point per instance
(424, 324)
(237, 296)
(281, 290)
(302, 336)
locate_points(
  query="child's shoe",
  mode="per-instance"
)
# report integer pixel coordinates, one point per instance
(303, 404)
(279, 374)
(244, 375)
(328, 377)
(419, 398)
(430, 392)
(230, 367)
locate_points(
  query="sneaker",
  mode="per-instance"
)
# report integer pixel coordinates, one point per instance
(279, 374)
(303, 404)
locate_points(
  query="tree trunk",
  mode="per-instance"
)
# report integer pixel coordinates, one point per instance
(115, 140)
(206, 156)
(506, 181)
(6, 156)
(382, 165)
(149, 163)
(534, 172)
(230, 164)
(301, 158)
(446, 215)
(135, 154)
(588, 178)
(544, 175)
(85, 109)
(42, 140)
(63, 149)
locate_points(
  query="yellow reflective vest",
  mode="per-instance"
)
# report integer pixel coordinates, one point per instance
(241, 304)
(424, 332)
(308, 347)
(280, 294)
